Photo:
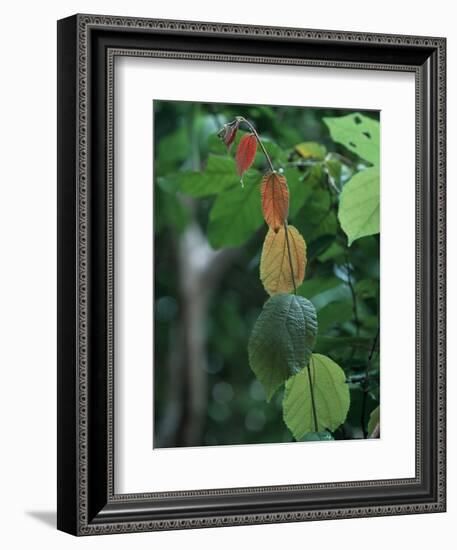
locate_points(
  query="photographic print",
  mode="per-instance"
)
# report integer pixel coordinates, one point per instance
(266, 274)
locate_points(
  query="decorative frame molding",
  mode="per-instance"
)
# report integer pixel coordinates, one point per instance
(88, 45)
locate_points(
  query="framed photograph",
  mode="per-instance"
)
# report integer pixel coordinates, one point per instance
(251, 280)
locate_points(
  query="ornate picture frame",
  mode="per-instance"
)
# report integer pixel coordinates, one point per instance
(87, 47)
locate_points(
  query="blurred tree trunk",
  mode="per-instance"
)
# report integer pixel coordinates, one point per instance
(200, 270)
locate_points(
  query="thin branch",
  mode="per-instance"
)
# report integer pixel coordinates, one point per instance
(365, 385)
(311, 391)
(301, 163)
(286, 229)
(354, 297)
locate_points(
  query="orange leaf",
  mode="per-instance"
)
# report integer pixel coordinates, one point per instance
(245, 153)
(275, 264)
(275, 200)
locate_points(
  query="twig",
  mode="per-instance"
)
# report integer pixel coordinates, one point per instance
(365, 386)
(286, 229)
(311, 391)
(354, 297)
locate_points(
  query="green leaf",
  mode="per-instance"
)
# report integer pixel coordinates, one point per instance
(319, 245)
(317, 436)
(359, 205)
(299, 190)
(331, 398)
(335, 294)
(216, 145)
(373, 420)
(169, 212)
(317, 217)
(334, 314)
(318, 285)
(335, 252)
(358, 400)
(282, 340)
(332, 344)
(236, 213)
(220, 174)
(169, 183)
(333, 169)
(358, 133)
(174, 147)
(367, 288)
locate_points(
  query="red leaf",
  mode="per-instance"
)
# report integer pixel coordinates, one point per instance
(245, 153)
(275, 200)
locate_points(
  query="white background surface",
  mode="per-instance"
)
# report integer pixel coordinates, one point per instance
(392, 456)
(28, 281)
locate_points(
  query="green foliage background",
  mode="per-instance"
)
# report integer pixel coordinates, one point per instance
(195, 184)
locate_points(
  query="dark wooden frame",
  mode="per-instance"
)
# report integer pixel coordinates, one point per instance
(87, 46)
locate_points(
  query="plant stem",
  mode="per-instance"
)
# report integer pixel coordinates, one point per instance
(254, 131)
(365, 385)
(289, 253)
(354, 298)
(311, 391)
(286, 229)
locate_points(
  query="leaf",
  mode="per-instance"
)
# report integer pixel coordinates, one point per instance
(236, 214)
(367, 288)
(174, 147)
(317, 285)
(218, 176)
(359, 205)
(331, 295)
(317, 217)
(245, 154)
(334, 315)
(333, 170)
(169, 212)
(311, 150)
(335, 252)
(332, 344)
(275, 199)
(299, 190)
(358, 400)
(331, 398)
(373, 420)
(358, 133)
(228, 132)
(275, 263)
(319, 246)
(282, 340)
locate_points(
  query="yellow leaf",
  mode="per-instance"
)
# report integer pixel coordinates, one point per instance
(311, 150)
(275, 263)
